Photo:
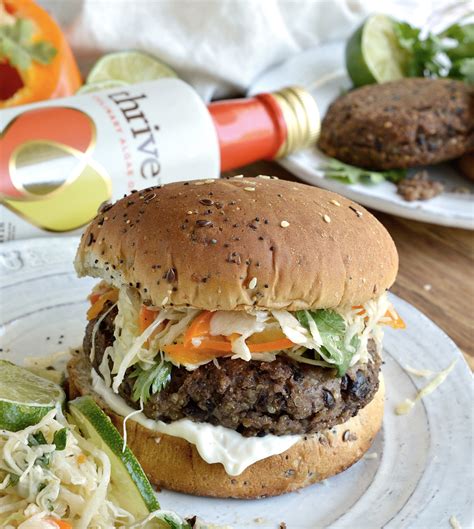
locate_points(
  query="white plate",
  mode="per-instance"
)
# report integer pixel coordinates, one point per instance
(421, 477)
(323, 73)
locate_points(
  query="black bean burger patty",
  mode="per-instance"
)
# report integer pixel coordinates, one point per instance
(254, 398)
(400, 124)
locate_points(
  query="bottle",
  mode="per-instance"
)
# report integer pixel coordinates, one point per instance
(60, 159)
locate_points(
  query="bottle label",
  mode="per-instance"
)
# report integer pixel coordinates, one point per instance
(59, 160)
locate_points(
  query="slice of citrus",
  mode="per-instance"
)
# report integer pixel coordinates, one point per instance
(130, 486)
(373, 54)
(129, 67)
(99, 86)
(25, 398)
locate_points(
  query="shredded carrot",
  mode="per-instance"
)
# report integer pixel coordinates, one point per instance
(183, 354)
(199, 345)
(276, 345)
(98, 304)
(146, 317)
(360, 308)
(395, 321)
(391, 317)
(61, 524)
(200, 327)
(269, 340)
(98, 290)
(81, 458)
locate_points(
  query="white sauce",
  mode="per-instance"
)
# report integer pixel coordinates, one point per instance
(215, 444)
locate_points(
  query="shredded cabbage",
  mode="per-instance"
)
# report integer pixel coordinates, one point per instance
(358, 325)
(40, 482)
(227, 322)
(405, 406)
(130, 346)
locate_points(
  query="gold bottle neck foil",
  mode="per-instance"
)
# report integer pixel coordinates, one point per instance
(302, 118)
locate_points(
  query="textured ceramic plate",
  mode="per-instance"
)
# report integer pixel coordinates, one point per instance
(323, 73)
(420, 476)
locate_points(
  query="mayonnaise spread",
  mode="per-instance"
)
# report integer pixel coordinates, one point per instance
(215, 444)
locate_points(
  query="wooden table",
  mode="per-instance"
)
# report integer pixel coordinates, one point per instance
(436, 268)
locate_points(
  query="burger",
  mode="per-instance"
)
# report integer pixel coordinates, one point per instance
(236, 332)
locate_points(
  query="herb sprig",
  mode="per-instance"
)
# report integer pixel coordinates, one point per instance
(150, 381)
(446, 54)
(59, 440)
(332, 328)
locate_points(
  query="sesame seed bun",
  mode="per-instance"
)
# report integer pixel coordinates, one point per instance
(175, 464)
(239, 243)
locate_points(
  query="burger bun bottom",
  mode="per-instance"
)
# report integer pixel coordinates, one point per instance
(173, 463)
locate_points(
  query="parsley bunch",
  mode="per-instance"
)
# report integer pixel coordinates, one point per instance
(447, 54)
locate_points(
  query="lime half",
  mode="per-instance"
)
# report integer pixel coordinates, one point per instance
(129, 67)
(99, 86)
(129, 485)
(373, 54)
(25, 398)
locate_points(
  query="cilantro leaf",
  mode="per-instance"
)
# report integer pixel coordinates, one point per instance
(332, 328)
(17, 47)
(436, 55)
(60, 439)
(461, 41)
(13, 479)
(424, 57)
(463, 69)
(150, 381)
(174, 524)
(342, 368)
(350, 174)
(329, 322)
(37, 439)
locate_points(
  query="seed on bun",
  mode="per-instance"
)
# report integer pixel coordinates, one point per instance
(244, 318)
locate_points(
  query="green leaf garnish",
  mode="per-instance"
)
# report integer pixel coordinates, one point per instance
(461, 45)
(332, 328)
(436, 55)
(350, 174)
(13, 479)
(150, 381)
(37, 439)
(60, 439)
(17, 48)
(173, 524)
(463, 69)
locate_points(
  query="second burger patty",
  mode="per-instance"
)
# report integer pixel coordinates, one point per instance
(254, 398)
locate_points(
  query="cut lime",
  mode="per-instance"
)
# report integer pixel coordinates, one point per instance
(373, 54)
(99, 86)
(25, 398)
(52, 375)
(130, 67)
(130, 486)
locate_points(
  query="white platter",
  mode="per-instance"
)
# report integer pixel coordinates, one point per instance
(323, 73)
(423, 471)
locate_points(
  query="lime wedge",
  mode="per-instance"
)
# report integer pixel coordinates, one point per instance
(99, 86)
(373, 54)
(130, 486)
(25, 398)
(130, 67)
